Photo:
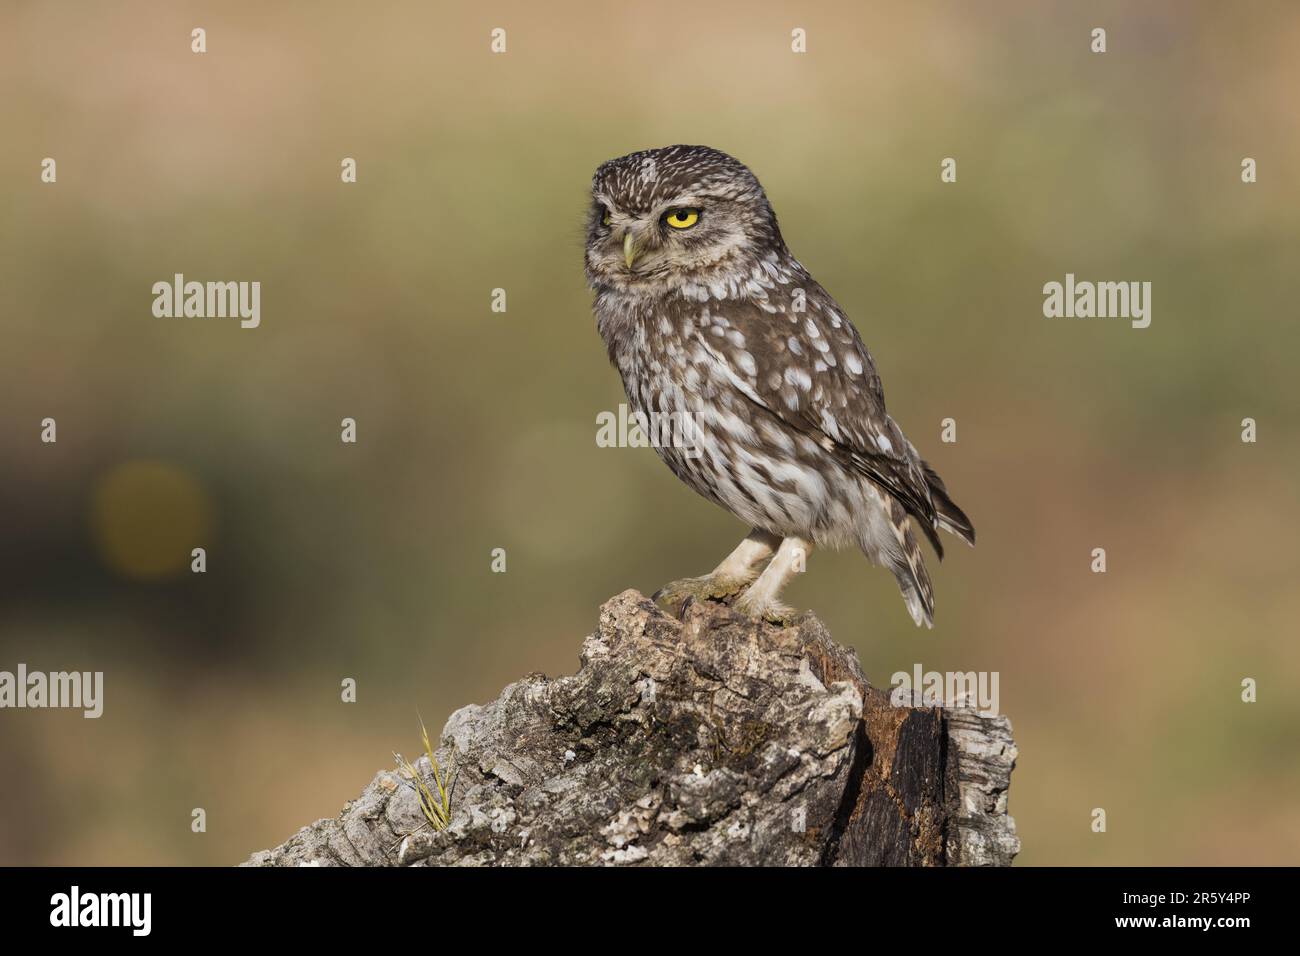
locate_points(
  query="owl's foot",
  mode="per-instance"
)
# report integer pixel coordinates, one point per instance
(724, 583)
(674, 596)
(774, 612)
(762, 598)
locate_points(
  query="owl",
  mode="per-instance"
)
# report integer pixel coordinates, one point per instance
(776, 411)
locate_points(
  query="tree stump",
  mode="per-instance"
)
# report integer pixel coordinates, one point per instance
(713, 740)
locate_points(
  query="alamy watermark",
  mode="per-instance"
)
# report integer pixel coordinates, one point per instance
(1098, 300)
(975, 689)
(209, 300)
(57, 689)
(130, 910)
(629, 429)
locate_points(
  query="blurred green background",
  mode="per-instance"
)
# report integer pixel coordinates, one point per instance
(477, 430)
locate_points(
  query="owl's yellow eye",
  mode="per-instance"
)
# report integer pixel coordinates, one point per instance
(682, 218)
(605, 219)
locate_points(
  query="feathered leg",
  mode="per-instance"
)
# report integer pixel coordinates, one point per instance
(762, 599)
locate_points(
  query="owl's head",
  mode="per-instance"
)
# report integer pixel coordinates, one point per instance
(663, 217)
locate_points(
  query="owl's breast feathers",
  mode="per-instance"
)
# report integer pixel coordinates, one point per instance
(784, 395)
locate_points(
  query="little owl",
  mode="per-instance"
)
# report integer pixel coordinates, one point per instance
(714, 325)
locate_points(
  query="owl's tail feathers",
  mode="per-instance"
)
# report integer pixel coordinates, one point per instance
(908, 564)
(950, 518)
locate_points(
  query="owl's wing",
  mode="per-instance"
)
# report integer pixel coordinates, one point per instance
(811, 370)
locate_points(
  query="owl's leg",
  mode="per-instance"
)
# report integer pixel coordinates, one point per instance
(762, 599)
(726, 580)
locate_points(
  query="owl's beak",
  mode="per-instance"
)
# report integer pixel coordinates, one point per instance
(629, 249)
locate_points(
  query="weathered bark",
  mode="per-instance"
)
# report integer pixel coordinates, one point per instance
(711, 740)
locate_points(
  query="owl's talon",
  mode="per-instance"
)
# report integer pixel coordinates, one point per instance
(676, 596)
(772, 612)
